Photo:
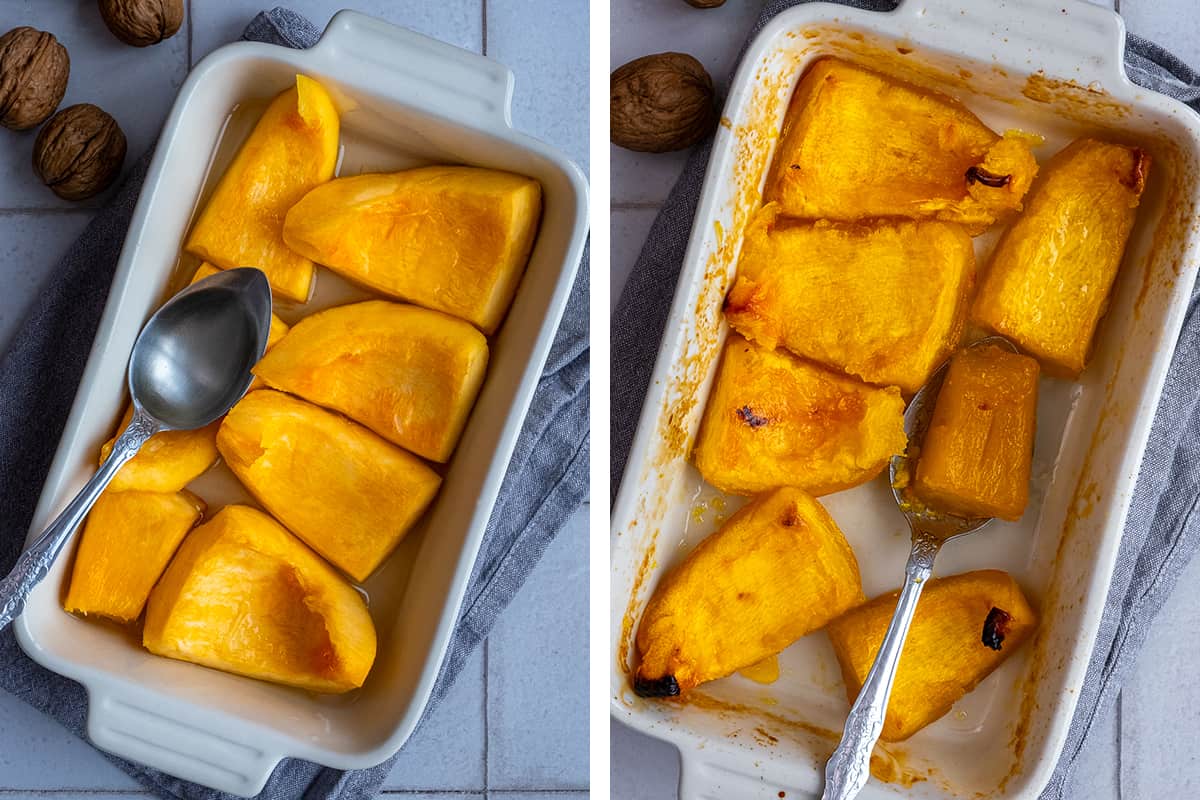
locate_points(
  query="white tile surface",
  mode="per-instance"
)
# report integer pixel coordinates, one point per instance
(538, 674)
(445, 759)
(1174, 24)
(103, 70)
(1160, 713)
(37, 753)
(30, 245)
(629, 229)
(551, 64)
(447, 750)
(459, 22)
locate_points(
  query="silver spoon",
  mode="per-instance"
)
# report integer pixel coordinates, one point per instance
(849, 767)
(190, 364)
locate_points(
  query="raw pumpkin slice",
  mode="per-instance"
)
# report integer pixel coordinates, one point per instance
(454, 239)
(126, 543)
(167, 462)
(407, 373)
(351, 495)
(245, 596)
(293, 148)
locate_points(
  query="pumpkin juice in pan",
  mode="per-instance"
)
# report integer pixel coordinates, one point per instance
(348, 408)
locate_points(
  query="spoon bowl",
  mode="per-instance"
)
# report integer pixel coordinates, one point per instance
(189, 365)
(192, 361)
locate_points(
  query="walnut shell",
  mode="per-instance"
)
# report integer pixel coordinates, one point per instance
(661, 102)
(142, 22)
(33, 77)
(79, 152)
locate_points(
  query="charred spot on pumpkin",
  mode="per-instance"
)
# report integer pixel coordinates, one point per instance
(995, 628)
(747, 415)
(1136, 179)
(791, 517)
(977, 175)
(794, 166)
(665, 686)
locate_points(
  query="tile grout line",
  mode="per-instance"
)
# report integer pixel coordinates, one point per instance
(483, 27)
(189, 37)
(1120, 695)
(487, 710)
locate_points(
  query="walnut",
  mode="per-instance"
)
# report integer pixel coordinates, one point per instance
(142, 22)
(661, 102)
(33, 77)
(79, 152)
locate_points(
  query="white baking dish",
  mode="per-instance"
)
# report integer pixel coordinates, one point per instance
(405, 99)
(1054, 68)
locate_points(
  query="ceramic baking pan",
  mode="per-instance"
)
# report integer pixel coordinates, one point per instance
(1052, 68)
(405, 100)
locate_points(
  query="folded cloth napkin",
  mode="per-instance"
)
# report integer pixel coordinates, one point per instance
(1163, 530)
(546, 481)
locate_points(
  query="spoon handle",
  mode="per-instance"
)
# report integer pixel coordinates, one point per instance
(849, 767)
(35, 562)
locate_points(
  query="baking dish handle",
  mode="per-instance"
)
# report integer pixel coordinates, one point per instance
(161, 738)
(1072, 31)
(419, 71)
(700, 779)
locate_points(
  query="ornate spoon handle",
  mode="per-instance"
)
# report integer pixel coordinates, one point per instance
(849, 767)
(35, 562)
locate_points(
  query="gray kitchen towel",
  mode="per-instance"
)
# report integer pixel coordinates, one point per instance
(1163, 530)
(546, 481)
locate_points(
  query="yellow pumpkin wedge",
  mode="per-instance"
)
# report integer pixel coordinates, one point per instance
(245, 596)
(964, 628)
(126, 543)
(977, 453)
(1049, 279)
(347, 492)
(407, 373)
(857, 144)
(776, 420)
(454, 239)
(885, 302)
(776, 570)
(293, 148)
(167, 462)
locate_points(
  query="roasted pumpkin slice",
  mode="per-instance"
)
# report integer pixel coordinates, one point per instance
(454, 239)
(348, 493)
(857, 144)
(167, 462)
(884, 302)
(977, 453)
(1051, 274)
(245, 596)
(126, 543)
(964, 628)
(776, 570)
(407, 373)
(776, 420)
(293, 148)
